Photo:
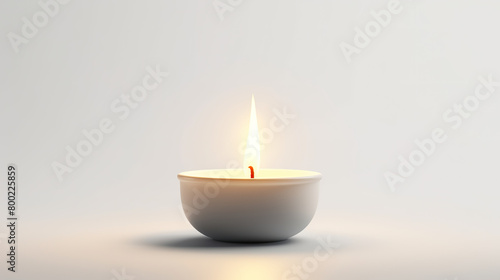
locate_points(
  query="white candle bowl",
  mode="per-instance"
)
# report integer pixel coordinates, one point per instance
(227, 206)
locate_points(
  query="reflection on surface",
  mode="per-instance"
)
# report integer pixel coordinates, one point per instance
(222, 260)
(250, 268)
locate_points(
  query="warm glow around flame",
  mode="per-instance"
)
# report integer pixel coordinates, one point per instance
(252, 151)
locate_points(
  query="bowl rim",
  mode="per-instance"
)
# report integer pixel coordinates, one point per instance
(309, 175)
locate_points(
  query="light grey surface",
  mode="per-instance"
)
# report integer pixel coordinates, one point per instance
(351, 122)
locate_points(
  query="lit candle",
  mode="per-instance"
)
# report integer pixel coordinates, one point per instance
(249, 204)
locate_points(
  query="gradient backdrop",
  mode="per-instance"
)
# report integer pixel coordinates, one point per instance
(358, 101)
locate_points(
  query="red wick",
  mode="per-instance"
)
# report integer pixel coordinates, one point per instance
(252, 175)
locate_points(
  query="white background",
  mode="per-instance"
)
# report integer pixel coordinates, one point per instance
(120, 208)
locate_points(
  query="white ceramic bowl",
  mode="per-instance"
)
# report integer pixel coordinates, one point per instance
(274, 206)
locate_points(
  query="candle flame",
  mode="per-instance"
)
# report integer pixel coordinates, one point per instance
(252, 151)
